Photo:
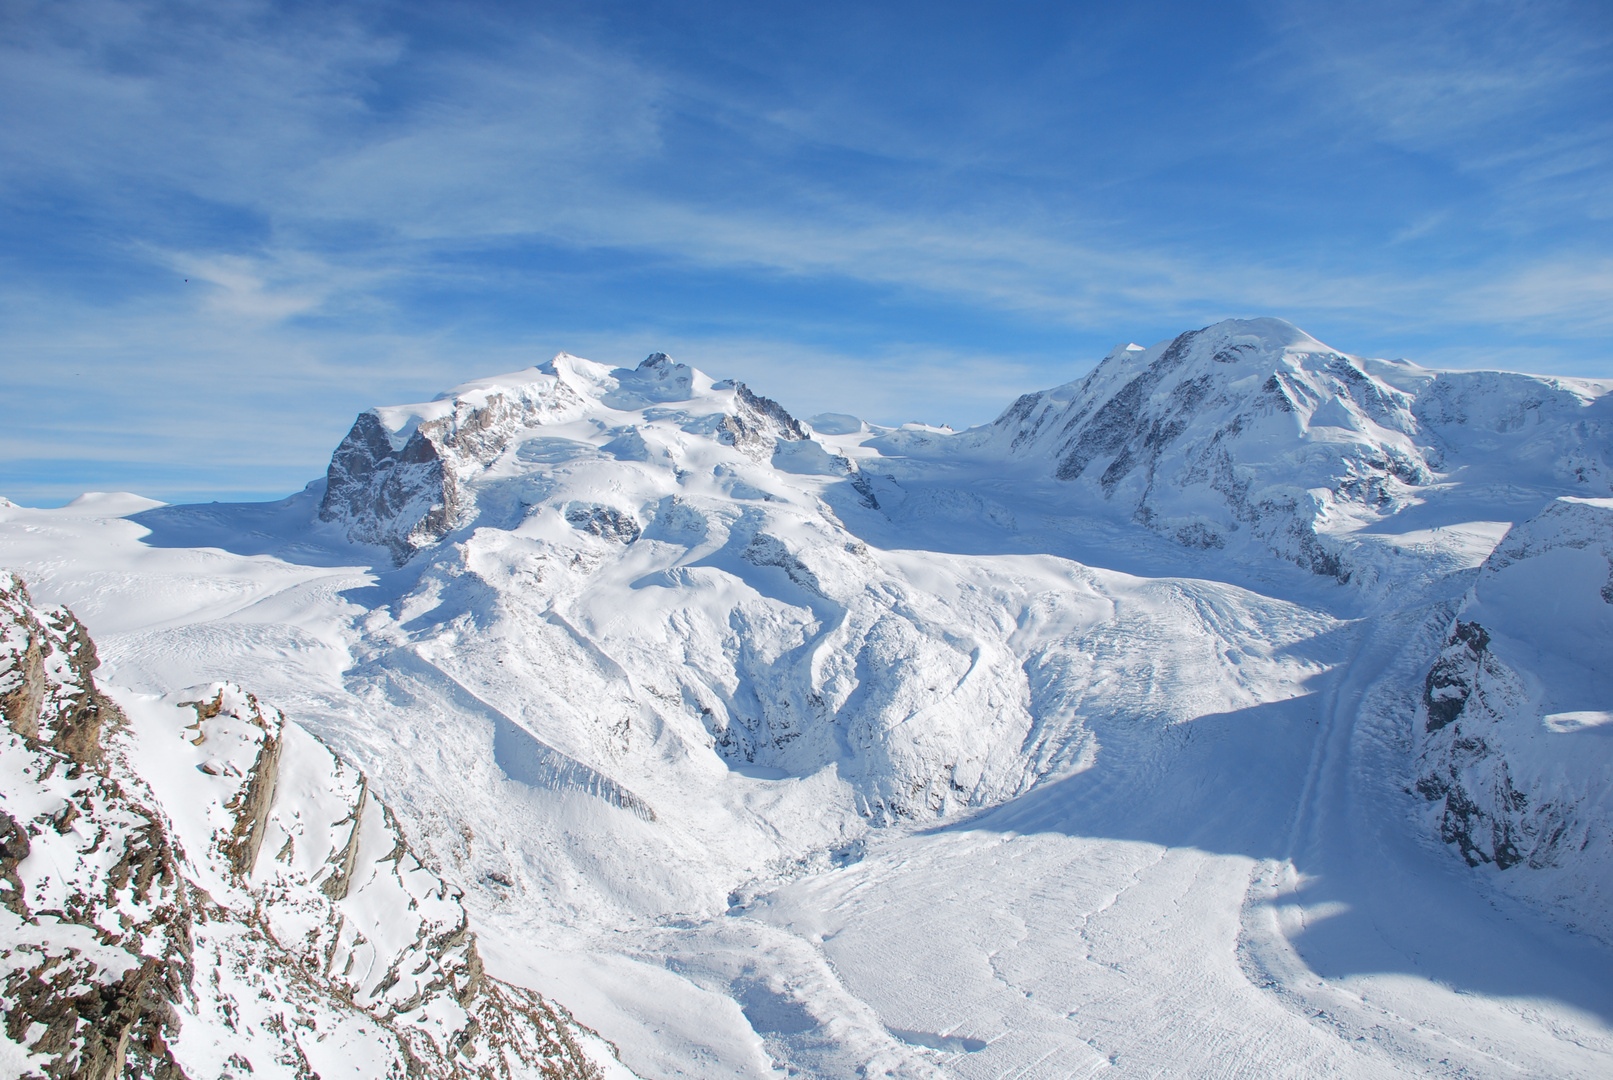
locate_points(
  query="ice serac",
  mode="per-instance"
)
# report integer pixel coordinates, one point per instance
(1515, 739)
(203, 889)
(1254, 427)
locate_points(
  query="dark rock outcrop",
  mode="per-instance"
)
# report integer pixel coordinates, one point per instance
(100, 951)
(757, 424)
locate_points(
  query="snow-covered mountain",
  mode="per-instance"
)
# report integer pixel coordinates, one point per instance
(1256, 427)
(870, 751)
(399, 476)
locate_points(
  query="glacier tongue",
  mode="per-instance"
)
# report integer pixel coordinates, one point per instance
(1098, 737)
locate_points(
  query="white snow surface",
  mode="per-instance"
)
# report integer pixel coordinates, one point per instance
(854, 751)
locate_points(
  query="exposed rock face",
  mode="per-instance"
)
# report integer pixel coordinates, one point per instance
(605, 522)
(1482, 813)
(758, 424)
(403, 498)
(95, 937)
(203, 889)
(48, 692)
(408, 497)
(1512, 755)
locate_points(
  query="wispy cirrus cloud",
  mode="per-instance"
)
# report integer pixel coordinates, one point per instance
(1517, 93)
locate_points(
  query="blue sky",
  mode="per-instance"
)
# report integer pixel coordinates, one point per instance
(905, 211)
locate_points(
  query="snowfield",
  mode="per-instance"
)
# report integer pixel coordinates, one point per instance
(1242, 709)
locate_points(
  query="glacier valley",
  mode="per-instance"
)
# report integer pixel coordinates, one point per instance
(1241, 709)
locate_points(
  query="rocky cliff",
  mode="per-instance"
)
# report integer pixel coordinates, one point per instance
(1515, 733)
(196, 887)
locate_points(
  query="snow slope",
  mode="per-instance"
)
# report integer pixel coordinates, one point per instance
(1052, 747)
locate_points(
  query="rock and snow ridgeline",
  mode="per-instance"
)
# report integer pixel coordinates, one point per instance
(96, 940)
(1518, 712)
(1254, 425)
(200, 888)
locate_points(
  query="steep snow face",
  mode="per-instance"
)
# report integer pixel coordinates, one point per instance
(200, 888)
(1515, 743)
(1554, 433)
(399, 479)
(1243, 425)
(1253, 426)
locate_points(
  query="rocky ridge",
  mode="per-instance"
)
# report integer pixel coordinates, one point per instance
(1511, 756)
(197, 887)
(95, 936)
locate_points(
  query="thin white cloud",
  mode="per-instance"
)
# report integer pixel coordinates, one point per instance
(561, 142)
(1478, 83)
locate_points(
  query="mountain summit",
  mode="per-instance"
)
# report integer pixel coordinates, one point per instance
(1254, 426)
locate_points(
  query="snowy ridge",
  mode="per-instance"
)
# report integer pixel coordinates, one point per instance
(1254, 426)
(205, 890)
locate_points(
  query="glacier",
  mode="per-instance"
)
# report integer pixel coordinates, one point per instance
(1238, 709)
